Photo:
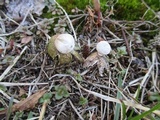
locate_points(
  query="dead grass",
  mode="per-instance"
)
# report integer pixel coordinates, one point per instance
(32, 69)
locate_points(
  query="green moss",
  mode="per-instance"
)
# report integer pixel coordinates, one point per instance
(123, 9)
(51, 49)
(135, 9)
(104, 6)
(154, 4)
(68, 5)
(129, 10)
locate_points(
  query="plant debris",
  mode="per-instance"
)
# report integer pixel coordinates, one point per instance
(123, 84)
(20, 8)
(28, 103)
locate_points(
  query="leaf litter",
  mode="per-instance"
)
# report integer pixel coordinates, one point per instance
(100, 61)
(94, 86)
(19, 8)
(26, 104)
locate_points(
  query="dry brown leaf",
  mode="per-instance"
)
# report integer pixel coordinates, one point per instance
(85, 51)
(97, 9)
(1, 50)
(96, 4)
(28, 103)
(26, 39)
(21, 91)
(8, 47)
(91, 60)
(90, 12)
(102, 65)
(17, 9)
(11, 44)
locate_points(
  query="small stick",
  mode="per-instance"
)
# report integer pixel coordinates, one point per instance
(21, 84)
(11, 65)
(127, 44)
(75, 109)
(43, 110)
(67, 18)
(7, 96)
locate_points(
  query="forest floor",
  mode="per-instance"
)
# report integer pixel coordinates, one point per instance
(34, 86)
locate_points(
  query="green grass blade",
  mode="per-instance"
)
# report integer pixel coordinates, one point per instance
(123, 108)
(137, 96)
(9, 111)
(117, 111)
(138, 117)
(118, 106)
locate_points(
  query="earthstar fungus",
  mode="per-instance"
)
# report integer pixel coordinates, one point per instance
(61, 45)
(103, 48)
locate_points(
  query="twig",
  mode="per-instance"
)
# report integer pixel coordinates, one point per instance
(110, 32)
(23, 66)
(9, 18)
(16, 30)
(108, 102)
(39, 76)
(75, 110)
(43, 110)
(147, 7)
(62, 108)
(147, 76)
(8, 97)
(37, 25)
(125, 76)
(102, 105)
(11, 65)
(21, 84)
(68, 19)
(127, 44)
(111, 99)
(4, 40)
(3, 28)
(156, 76)
(33, 118)
(133, 82)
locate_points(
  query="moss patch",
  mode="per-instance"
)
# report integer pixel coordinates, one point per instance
(68, 5)
(135, 9)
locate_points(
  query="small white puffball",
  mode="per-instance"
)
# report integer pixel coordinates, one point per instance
(103, 48)
(64, 43)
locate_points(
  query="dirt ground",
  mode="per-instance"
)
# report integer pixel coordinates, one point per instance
(121, 85)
